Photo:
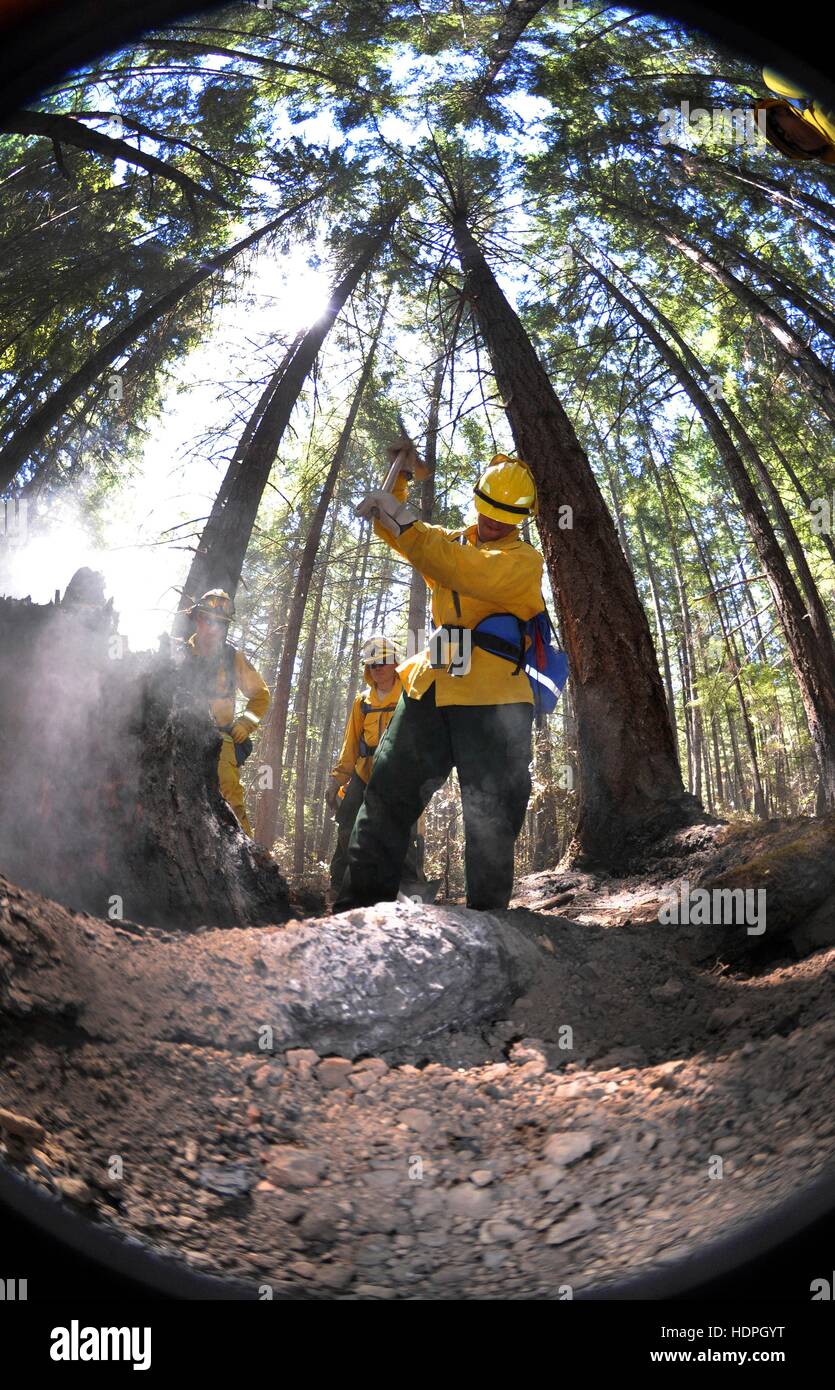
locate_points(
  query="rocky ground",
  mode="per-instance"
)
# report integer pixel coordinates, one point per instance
(605, 1101)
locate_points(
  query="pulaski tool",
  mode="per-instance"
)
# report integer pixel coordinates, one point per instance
(403, 457)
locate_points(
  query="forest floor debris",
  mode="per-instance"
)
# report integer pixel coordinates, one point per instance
(630, 1107)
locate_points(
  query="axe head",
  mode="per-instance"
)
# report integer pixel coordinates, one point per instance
(404, 451)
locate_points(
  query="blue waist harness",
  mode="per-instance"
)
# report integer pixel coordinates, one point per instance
(545, 665)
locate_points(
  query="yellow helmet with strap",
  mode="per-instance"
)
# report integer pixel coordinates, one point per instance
(215, 604)
(506, 491)
(379, 651)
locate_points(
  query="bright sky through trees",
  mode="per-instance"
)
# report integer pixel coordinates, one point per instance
(329, 111)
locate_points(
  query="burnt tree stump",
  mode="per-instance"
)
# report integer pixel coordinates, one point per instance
(109, 800)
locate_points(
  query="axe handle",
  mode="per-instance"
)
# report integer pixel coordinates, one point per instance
(391, 476)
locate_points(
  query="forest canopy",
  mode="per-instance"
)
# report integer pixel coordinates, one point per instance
(238, 252)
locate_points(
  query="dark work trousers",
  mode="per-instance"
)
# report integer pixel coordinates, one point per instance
(490, 746)
(346, 815)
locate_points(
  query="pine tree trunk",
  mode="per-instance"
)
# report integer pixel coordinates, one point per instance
(276, 722)
(805, 365)
(802, 361)
(327, 728)
(791, 474)
(781, 282)
(302, 714)
(356, 630)
(717, 762)
(517, 15)
(221, 554)
(659, 623)
(791, 201)
(813, 663)
(730, 649)
(417, 588)
(192, 589)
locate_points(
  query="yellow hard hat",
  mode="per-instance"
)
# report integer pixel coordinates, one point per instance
(781, 142)
(215, 604)
(379, 651)
(506, 490)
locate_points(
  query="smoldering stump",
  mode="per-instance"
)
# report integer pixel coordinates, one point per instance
(109, 800)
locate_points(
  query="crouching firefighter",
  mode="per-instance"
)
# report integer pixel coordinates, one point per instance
(468, 697)
(218, 670)
(370, 716)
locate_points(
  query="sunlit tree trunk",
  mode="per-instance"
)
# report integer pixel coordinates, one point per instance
(276, 723)
(222, 549)
(813, 661)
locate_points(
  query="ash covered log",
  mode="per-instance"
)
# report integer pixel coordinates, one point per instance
(379, 978)
(110, 801)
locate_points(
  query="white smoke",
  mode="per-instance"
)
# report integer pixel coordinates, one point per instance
(39, 558)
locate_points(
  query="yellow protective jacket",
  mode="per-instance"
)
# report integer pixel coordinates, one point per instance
(821, 119)
(503, 576)
(370, 717)
(233, 673)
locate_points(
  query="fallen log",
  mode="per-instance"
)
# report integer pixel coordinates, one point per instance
(375, 979)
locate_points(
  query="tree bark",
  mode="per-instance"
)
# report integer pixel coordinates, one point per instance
(115, 806)
(276, 723)
(224, 543)
(813, 664)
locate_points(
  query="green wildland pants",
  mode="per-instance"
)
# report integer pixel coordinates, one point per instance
(346, 814)
(490, 746)
(345, 817)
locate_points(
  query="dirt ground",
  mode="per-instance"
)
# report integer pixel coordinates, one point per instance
(635, 1103)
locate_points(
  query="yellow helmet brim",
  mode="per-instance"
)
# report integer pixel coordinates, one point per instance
(498, 512)
(500, 508)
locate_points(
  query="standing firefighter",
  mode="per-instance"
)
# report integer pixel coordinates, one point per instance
(219, 670)
(474, 714)
(369, 718)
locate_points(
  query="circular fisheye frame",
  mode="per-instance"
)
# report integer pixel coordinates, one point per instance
(417, 674)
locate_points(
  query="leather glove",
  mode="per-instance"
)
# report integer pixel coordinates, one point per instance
(395, 516)
(241, 729)
(332, 796)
